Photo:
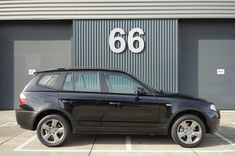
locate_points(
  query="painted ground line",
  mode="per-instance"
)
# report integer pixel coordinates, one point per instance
(225, 139)
(227, 111)
(8, 124)
(214, 151)
(128, 143)
(25, 143)
(107, 151)
(124, 151)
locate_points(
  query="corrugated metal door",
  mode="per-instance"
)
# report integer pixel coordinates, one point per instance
(156, 64)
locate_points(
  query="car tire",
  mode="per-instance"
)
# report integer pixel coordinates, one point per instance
(188, 131)
(53, 130)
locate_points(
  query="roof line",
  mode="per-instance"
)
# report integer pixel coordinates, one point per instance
(79, 68)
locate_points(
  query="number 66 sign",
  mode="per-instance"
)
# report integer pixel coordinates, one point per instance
(113, 38)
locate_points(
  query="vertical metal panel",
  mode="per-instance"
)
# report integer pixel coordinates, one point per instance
(157, 64)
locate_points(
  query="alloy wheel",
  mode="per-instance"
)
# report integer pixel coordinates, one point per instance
(189, 132)
(52, 131)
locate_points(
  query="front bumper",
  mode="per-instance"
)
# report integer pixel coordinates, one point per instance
(214, 121)
(25, 118)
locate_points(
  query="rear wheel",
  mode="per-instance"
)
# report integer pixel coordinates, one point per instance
(53, 130)
(188, 131)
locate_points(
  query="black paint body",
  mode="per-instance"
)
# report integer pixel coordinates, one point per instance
(103, 112)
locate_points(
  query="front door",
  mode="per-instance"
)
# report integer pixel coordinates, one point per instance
(126, 109)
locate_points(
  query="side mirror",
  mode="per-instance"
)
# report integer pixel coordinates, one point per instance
(140, 91)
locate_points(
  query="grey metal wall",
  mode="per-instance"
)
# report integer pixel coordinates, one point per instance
(157, 64)
(204, 47)
(28, 45)
(219, 89)
(110, 9)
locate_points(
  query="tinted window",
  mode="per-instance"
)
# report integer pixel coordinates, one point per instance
(120, 83)
(86, 81)
(68, 83)
(49, 80)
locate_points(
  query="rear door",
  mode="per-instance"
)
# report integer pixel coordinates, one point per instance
(81, 96)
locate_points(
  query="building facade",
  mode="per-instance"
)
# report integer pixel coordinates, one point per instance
(184, 46)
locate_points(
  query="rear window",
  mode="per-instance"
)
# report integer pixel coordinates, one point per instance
(49, 80)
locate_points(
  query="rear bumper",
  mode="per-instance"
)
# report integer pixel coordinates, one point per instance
(25, 118)
(214, 122)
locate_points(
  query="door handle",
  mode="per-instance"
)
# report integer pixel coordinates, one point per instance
(114, 103)
(67, 101)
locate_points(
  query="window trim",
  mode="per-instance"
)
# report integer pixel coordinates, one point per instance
(103, 84)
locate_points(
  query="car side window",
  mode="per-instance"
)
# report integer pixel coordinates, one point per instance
(49, 80)
(86, 81)
(120, 83)
(68, 83)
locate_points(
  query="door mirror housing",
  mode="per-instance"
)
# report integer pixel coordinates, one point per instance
(140, 91)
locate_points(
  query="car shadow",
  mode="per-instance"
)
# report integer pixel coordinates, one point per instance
(211, 140)
(114, 139)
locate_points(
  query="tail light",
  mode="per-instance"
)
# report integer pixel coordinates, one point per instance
(22, 99)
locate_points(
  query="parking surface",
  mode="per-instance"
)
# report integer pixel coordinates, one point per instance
(16, 141)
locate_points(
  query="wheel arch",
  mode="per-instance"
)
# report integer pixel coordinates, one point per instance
(44, 113)
(189, 112)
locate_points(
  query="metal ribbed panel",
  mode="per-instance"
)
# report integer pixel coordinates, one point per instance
(115, 9)
(157, 64)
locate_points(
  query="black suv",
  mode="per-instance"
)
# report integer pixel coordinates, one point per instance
(58, 102)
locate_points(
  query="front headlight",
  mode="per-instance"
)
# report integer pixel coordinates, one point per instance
(212, 107)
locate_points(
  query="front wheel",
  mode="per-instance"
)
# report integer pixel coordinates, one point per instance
(53, 130)
(188, 131)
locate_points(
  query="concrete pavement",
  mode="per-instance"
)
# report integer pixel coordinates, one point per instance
(15, 141)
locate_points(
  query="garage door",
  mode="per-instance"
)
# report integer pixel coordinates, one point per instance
(217, 72)
(207, 60)
(31, 46)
